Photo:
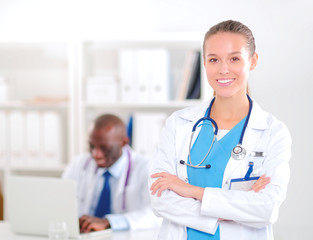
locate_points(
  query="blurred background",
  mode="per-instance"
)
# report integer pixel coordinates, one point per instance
(62, 63)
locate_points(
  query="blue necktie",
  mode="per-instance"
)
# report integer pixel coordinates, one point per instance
(104, 203)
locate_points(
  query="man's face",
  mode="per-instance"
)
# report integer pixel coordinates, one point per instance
(105, 146)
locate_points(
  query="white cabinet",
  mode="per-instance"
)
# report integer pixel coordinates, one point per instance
(34, 115)
(56, 89)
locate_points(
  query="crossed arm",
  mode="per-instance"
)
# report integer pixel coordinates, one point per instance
(171, 182)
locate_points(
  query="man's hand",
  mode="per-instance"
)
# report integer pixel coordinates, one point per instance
(89, 223)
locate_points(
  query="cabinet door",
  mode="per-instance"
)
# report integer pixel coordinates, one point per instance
(36, 79)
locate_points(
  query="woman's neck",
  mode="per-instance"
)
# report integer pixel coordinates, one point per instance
(227, 112)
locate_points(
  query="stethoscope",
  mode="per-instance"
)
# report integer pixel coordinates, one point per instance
(89, 159)
(238, 152)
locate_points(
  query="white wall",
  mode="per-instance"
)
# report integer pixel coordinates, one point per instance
(281, 83)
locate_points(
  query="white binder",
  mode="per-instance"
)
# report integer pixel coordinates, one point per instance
(52, 142)
(146, 131)
(127, 70)
(33, 138)
(159, 76)
(143, 75)
(17, 138)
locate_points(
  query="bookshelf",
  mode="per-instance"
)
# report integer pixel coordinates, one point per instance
(54, 76)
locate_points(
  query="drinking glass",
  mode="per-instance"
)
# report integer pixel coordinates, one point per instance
(58, 230)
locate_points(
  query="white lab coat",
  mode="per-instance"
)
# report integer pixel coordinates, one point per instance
(251, 214)
(138, 210)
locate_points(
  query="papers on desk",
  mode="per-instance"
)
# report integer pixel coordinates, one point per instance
(30, 138)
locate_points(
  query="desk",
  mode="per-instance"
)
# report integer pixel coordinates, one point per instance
(6, 234)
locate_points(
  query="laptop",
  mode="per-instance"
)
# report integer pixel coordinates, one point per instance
(34, 202)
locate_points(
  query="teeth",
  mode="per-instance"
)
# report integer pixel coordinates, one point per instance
(224, 80)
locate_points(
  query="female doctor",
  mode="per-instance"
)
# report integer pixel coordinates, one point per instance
(211, 154)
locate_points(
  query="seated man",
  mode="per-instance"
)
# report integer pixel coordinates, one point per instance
(111, 181)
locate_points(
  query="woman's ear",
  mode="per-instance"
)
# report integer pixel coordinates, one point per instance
(254, 61)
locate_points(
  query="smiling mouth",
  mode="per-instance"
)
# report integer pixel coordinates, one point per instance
(101, 162)
(225, 80)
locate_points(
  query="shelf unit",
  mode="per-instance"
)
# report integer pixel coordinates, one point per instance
(59, 70)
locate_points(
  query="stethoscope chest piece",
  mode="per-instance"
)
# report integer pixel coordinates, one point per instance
(238, 152)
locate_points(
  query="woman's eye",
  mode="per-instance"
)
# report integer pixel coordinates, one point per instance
(212, 60)
(235, 59)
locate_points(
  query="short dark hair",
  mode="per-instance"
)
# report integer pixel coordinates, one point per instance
(110, 120)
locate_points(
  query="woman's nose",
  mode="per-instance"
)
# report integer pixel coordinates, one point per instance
(224, 68)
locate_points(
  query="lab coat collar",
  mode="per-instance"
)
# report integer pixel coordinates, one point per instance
(257, 121)
(194, 113)
(118, 167)
(258, 118)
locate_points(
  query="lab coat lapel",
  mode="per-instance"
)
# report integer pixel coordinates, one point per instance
(89, 183)
(117, 205)
(182, 147)
(249, 143)
(251, 139)
(183, 133)
(257, 122)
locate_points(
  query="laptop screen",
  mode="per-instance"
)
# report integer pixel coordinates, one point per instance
(34, 202)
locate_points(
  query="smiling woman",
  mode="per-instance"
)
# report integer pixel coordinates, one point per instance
(227, 62)
(235, 45)
(199, 202)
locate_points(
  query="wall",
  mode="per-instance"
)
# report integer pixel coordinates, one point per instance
(281, 83)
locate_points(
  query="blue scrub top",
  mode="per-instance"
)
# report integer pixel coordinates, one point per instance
(217, 158)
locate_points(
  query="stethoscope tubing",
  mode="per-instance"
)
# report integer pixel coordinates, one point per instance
(207, 117)
(247, 120)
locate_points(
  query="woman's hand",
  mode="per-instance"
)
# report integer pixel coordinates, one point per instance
(261, 183)
(171, 182)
